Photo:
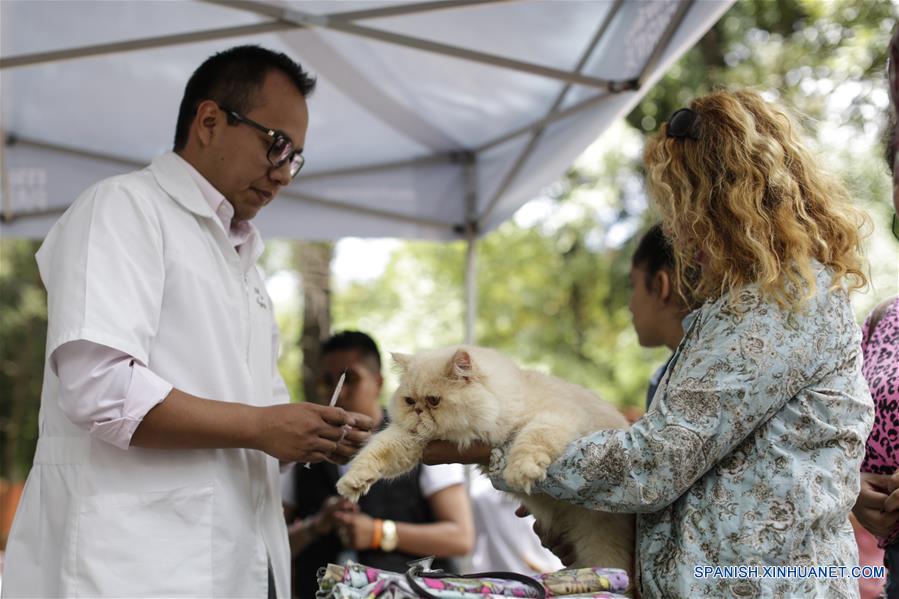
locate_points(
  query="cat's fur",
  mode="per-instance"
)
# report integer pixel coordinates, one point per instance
(465, 394)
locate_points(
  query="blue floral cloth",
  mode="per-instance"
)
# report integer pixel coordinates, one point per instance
(749, 454)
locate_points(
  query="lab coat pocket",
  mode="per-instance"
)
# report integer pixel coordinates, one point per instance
(156, 544)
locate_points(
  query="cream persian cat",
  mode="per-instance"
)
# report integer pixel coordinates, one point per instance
(465, 394)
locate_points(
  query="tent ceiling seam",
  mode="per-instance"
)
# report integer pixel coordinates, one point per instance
(403, 9)
(580, 106)
(143, 44)
(438, 158)
(12, 139)
(470, 55)
(673, 25)
(538, 132)
(323, 21)
(357, 85)
(346, 206)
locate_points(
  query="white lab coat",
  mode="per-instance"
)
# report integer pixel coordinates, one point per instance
(140, 263)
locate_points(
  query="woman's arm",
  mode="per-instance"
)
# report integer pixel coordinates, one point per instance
(738, 368)
(447, 452)
(451, 534)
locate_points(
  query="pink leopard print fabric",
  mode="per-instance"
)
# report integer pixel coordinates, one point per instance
(880, 348)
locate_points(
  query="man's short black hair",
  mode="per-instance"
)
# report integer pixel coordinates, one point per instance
(232, 78)
(654, 253)
(358, 341)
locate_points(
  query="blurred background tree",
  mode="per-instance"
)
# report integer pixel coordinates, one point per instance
(23, 334)
(552, 288)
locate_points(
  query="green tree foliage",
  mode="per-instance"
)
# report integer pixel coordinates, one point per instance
(23, 334)
(811, 54)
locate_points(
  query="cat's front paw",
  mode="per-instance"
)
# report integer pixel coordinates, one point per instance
(354, 484)
(523, 471)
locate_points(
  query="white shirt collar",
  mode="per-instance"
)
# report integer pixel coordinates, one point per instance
(238, 231)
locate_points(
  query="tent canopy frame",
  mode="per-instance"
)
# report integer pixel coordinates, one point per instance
(286, 18)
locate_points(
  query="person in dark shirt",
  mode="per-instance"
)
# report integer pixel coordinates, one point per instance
(424, 513)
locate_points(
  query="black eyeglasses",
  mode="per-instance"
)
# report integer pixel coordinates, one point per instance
(684, 123)
(281, 150)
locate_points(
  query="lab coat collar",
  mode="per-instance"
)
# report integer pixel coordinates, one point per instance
(174, 178)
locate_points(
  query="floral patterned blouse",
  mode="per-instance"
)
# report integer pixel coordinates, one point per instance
(748, 456)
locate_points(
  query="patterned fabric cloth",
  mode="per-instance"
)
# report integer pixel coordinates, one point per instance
(749, 454)
(582, 582)
(880, 348)
(357, 581)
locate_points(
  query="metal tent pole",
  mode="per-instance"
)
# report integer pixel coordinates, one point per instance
(471, 252)
(471, 288)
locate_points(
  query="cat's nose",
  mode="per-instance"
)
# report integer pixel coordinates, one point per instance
(418, 410)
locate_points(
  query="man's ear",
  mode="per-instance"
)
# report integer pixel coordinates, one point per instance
(206, 120)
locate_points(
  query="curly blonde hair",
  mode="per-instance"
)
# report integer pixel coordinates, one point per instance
(751, 205)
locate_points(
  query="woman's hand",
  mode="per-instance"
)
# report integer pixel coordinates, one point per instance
(891, 483)
(564, 551)
(446, 452)
(355, 529)
(871, 507)
(326, 518)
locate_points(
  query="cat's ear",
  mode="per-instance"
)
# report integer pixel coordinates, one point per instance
(461, 366)
(401, 360)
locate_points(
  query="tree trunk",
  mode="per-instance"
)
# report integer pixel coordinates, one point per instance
(313, 261)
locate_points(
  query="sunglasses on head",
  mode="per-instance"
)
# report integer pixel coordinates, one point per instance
(684, 123)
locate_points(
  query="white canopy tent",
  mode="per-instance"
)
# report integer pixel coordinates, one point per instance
(433, 119)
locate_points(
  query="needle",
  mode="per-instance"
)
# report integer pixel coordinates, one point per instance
(335, 395)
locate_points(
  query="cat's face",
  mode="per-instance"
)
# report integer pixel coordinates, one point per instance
(443, 394)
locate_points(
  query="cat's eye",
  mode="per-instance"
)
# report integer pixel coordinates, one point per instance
(433, 400)
(409, 401)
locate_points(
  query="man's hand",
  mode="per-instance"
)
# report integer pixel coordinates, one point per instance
(446, 452)
(871, 506)
(349, 445)
(324, 521)
(355, 529)
(308, 432)
(564, 551)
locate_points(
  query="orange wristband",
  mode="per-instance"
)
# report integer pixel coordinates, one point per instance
(376, 536)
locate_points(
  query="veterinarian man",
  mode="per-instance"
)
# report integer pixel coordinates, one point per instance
(163, 416)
